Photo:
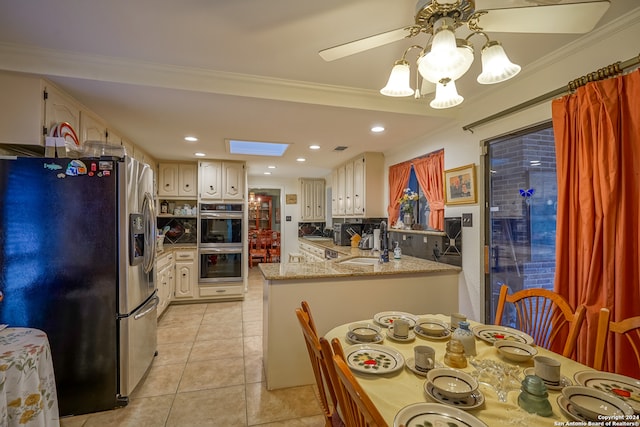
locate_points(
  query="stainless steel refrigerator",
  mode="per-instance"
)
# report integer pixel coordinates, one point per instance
(77, 249)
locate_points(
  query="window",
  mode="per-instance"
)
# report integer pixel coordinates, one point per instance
(420, 206)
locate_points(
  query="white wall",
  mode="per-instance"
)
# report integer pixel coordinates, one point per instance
(615, 42)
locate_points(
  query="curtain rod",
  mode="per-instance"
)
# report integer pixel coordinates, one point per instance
(602, 73)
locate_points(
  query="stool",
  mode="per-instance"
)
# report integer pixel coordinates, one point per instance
(295, 257)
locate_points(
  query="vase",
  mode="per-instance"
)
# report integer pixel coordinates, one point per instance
(407, 220)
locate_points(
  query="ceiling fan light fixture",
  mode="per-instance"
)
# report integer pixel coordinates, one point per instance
(446, 95)
(398, 83)
(434, 69)
(496, 66)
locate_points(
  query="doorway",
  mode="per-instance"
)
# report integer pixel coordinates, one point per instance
(264, 216)
(520, 238)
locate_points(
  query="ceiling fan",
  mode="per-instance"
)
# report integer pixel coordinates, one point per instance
(516, 16)
(447, 56)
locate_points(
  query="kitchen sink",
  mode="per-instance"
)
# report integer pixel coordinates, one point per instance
(360, 261)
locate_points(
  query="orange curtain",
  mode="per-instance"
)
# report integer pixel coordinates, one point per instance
(597, 133)
(398, 180)
(429, 171)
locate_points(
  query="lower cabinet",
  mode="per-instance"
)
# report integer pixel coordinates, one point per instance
(186, 274)
(311, 253)
(165, 280)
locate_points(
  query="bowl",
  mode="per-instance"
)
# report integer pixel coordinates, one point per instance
(595, 405)
(515, 351)
(452, 383)
(432, 327)
(365, 332)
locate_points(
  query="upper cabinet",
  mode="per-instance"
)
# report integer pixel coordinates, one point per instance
(312, 199)
(221, 180)
(22, 119)
(177, 180)
(357, 185)
(92, 128)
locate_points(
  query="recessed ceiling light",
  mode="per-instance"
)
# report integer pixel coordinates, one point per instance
(190, 138)
(271, 167)
(267, 173)
(256, 148)
(301, 159)
(199, 154)
(377, 129)
(314, 147)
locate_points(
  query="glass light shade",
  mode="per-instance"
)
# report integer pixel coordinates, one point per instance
(446, 96)
(496, 66)
(434, 67)
(398, 83)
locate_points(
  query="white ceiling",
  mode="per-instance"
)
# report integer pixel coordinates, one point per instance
(158, 70)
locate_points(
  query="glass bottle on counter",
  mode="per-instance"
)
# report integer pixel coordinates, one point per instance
(397, 251)
(164, 207)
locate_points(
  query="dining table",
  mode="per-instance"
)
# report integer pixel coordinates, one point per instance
(27, 381)
(393, 391)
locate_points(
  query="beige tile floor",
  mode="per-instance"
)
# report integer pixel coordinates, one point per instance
(208, 372)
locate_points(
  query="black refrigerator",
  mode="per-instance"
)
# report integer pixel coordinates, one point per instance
(77, 248)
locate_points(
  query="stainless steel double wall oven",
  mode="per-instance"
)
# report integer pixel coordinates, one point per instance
(221, 250)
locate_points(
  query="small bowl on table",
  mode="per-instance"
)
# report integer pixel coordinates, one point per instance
(452, 383)
(596, 405)
(365, 332)
(515, 351)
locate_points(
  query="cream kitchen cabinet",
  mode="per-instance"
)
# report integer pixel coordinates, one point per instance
(221, 180)
(177, 180)
(357, 187)
(186, 274)
(312, 199)
(165, 280)
(92, 128)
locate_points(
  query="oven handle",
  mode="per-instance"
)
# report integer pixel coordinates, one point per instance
(225, 215)
(228, 250)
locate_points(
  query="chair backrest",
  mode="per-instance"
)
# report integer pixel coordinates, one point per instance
(357, 407)
(319, 361)
(545, 315)
(629, 328)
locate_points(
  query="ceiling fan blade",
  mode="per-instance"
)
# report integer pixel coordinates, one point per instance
(357, 46)
(572, 18)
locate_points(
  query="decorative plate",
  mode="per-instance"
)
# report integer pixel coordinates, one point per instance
(568, 410)
(410, 337)
(592, 404)
(471, 401)
(625, 388)
(434, 414)
(373, 358)
(564, 381)
(386, 318)
(425, 333)
(491, 334)
(353, 339)
(410, 363)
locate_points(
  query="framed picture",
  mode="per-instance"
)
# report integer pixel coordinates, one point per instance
(460, 185)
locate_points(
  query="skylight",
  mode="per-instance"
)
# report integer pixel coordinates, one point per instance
(256, 148)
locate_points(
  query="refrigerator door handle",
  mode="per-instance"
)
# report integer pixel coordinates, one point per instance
(155, 300)
(149, 216)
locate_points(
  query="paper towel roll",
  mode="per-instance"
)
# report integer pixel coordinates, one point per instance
(376, 239)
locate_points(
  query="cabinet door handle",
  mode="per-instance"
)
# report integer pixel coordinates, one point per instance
(166, 185)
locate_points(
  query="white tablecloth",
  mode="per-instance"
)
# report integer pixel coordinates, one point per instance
(27, 381)
(392, 392)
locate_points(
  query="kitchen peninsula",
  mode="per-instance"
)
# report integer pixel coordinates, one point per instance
(352, 287)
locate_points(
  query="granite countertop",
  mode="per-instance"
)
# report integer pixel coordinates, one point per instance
(168, 248)
(338, 268)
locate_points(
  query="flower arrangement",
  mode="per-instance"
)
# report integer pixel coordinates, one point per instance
(407, 199)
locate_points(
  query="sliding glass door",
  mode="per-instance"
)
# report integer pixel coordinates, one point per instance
(521, 189)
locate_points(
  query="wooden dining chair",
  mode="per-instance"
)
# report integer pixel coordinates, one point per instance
(320, 360)
(257, 250)
(356, 405)
(544, 315)
(629, 328)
